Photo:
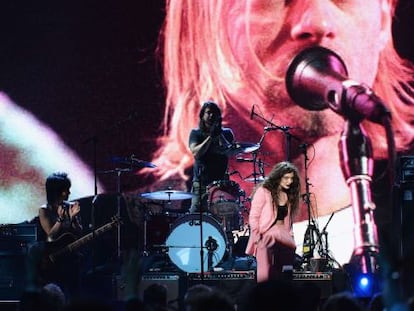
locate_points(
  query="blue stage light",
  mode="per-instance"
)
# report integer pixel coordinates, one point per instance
(365, 285)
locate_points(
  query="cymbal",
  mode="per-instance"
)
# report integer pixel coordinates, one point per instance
(240, 147)
(255, 180)
(132, 161)
(118, 170)
(167, 195)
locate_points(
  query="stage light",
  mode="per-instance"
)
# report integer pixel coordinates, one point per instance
(364, 281)
(365, 285)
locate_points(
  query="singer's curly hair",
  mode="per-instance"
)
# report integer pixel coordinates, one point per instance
(272, 183)
(55, 184)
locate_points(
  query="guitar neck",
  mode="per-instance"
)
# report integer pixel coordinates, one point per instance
(90, 236)
(83, 240)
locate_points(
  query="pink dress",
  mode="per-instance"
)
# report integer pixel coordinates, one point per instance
(265, 233)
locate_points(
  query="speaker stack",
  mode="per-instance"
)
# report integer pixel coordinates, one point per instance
(14, 242)
(405, 206)
(234, 283)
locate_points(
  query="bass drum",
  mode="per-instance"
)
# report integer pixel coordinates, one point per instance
(184, 243)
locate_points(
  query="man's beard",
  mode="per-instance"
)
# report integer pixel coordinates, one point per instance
(309, 124)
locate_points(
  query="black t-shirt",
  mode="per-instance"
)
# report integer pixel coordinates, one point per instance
(213, 164)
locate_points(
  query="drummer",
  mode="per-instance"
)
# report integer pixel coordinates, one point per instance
(208, 144)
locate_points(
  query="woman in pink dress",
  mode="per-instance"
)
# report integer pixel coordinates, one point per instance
(274, 204)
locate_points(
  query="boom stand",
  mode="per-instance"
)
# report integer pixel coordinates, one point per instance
(357, 167)
(118, 210)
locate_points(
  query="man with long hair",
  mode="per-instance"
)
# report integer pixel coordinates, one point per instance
(208, 143)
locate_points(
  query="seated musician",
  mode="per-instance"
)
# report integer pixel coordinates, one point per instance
(60, 224)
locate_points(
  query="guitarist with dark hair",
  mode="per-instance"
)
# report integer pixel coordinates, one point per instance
(56, 258)
(59, 216)
(60, 223)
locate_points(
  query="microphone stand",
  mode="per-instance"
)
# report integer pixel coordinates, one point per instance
(357, 167)
(284, 128)
(311, 229)
(211, 245)
(201, 207)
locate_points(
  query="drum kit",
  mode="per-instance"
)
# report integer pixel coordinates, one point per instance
(198, 242)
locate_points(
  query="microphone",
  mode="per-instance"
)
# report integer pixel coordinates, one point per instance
(252, 113)
(317, 79)
(67, 203)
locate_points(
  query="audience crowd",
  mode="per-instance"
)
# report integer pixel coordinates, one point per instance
(282, 294)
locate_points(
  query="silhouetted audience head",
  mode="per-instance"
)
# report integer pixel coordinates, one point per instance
(193, 292)
(85, 304)
(281, 295)
(155, 297)
(376, 303)
(53, 297)
(204, 298)
(343, 301)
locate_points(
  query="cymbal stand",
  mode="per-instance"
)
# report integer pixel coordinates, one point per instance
(145, 247)
(94, 140)
(256, 162)
(119, 171)
(255, 174)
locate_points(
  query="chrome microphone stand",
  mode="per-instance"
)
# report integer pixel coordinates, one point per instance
(357, 167)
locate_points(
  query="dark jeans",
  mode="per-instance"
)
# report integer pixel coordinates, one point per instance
(200, 195)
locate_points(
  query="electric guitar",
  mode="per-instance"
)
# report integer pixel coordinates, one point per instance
(67, 242)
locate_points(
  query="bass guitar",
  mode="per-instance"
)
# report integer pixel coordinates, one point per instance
(67, 242)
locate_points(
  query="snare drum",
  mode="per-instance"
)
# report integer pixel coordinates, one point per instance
(224, 197)
(184, 243)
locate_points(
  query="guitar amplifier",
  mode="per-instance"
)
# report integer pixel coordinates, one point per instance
(312, 276)
(235, 283)
(407, 169)
(12, 276)
(221, 276)
(14, 238)
(174, 282)
(318, 280)
(328, 282)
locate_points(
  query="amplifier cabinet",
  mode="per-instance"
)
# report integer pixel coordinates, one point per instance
(235, 283)
(407, 169)
(12, 276)
(9, 305)
(327, 282)
(174, 282)
(321, 280)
